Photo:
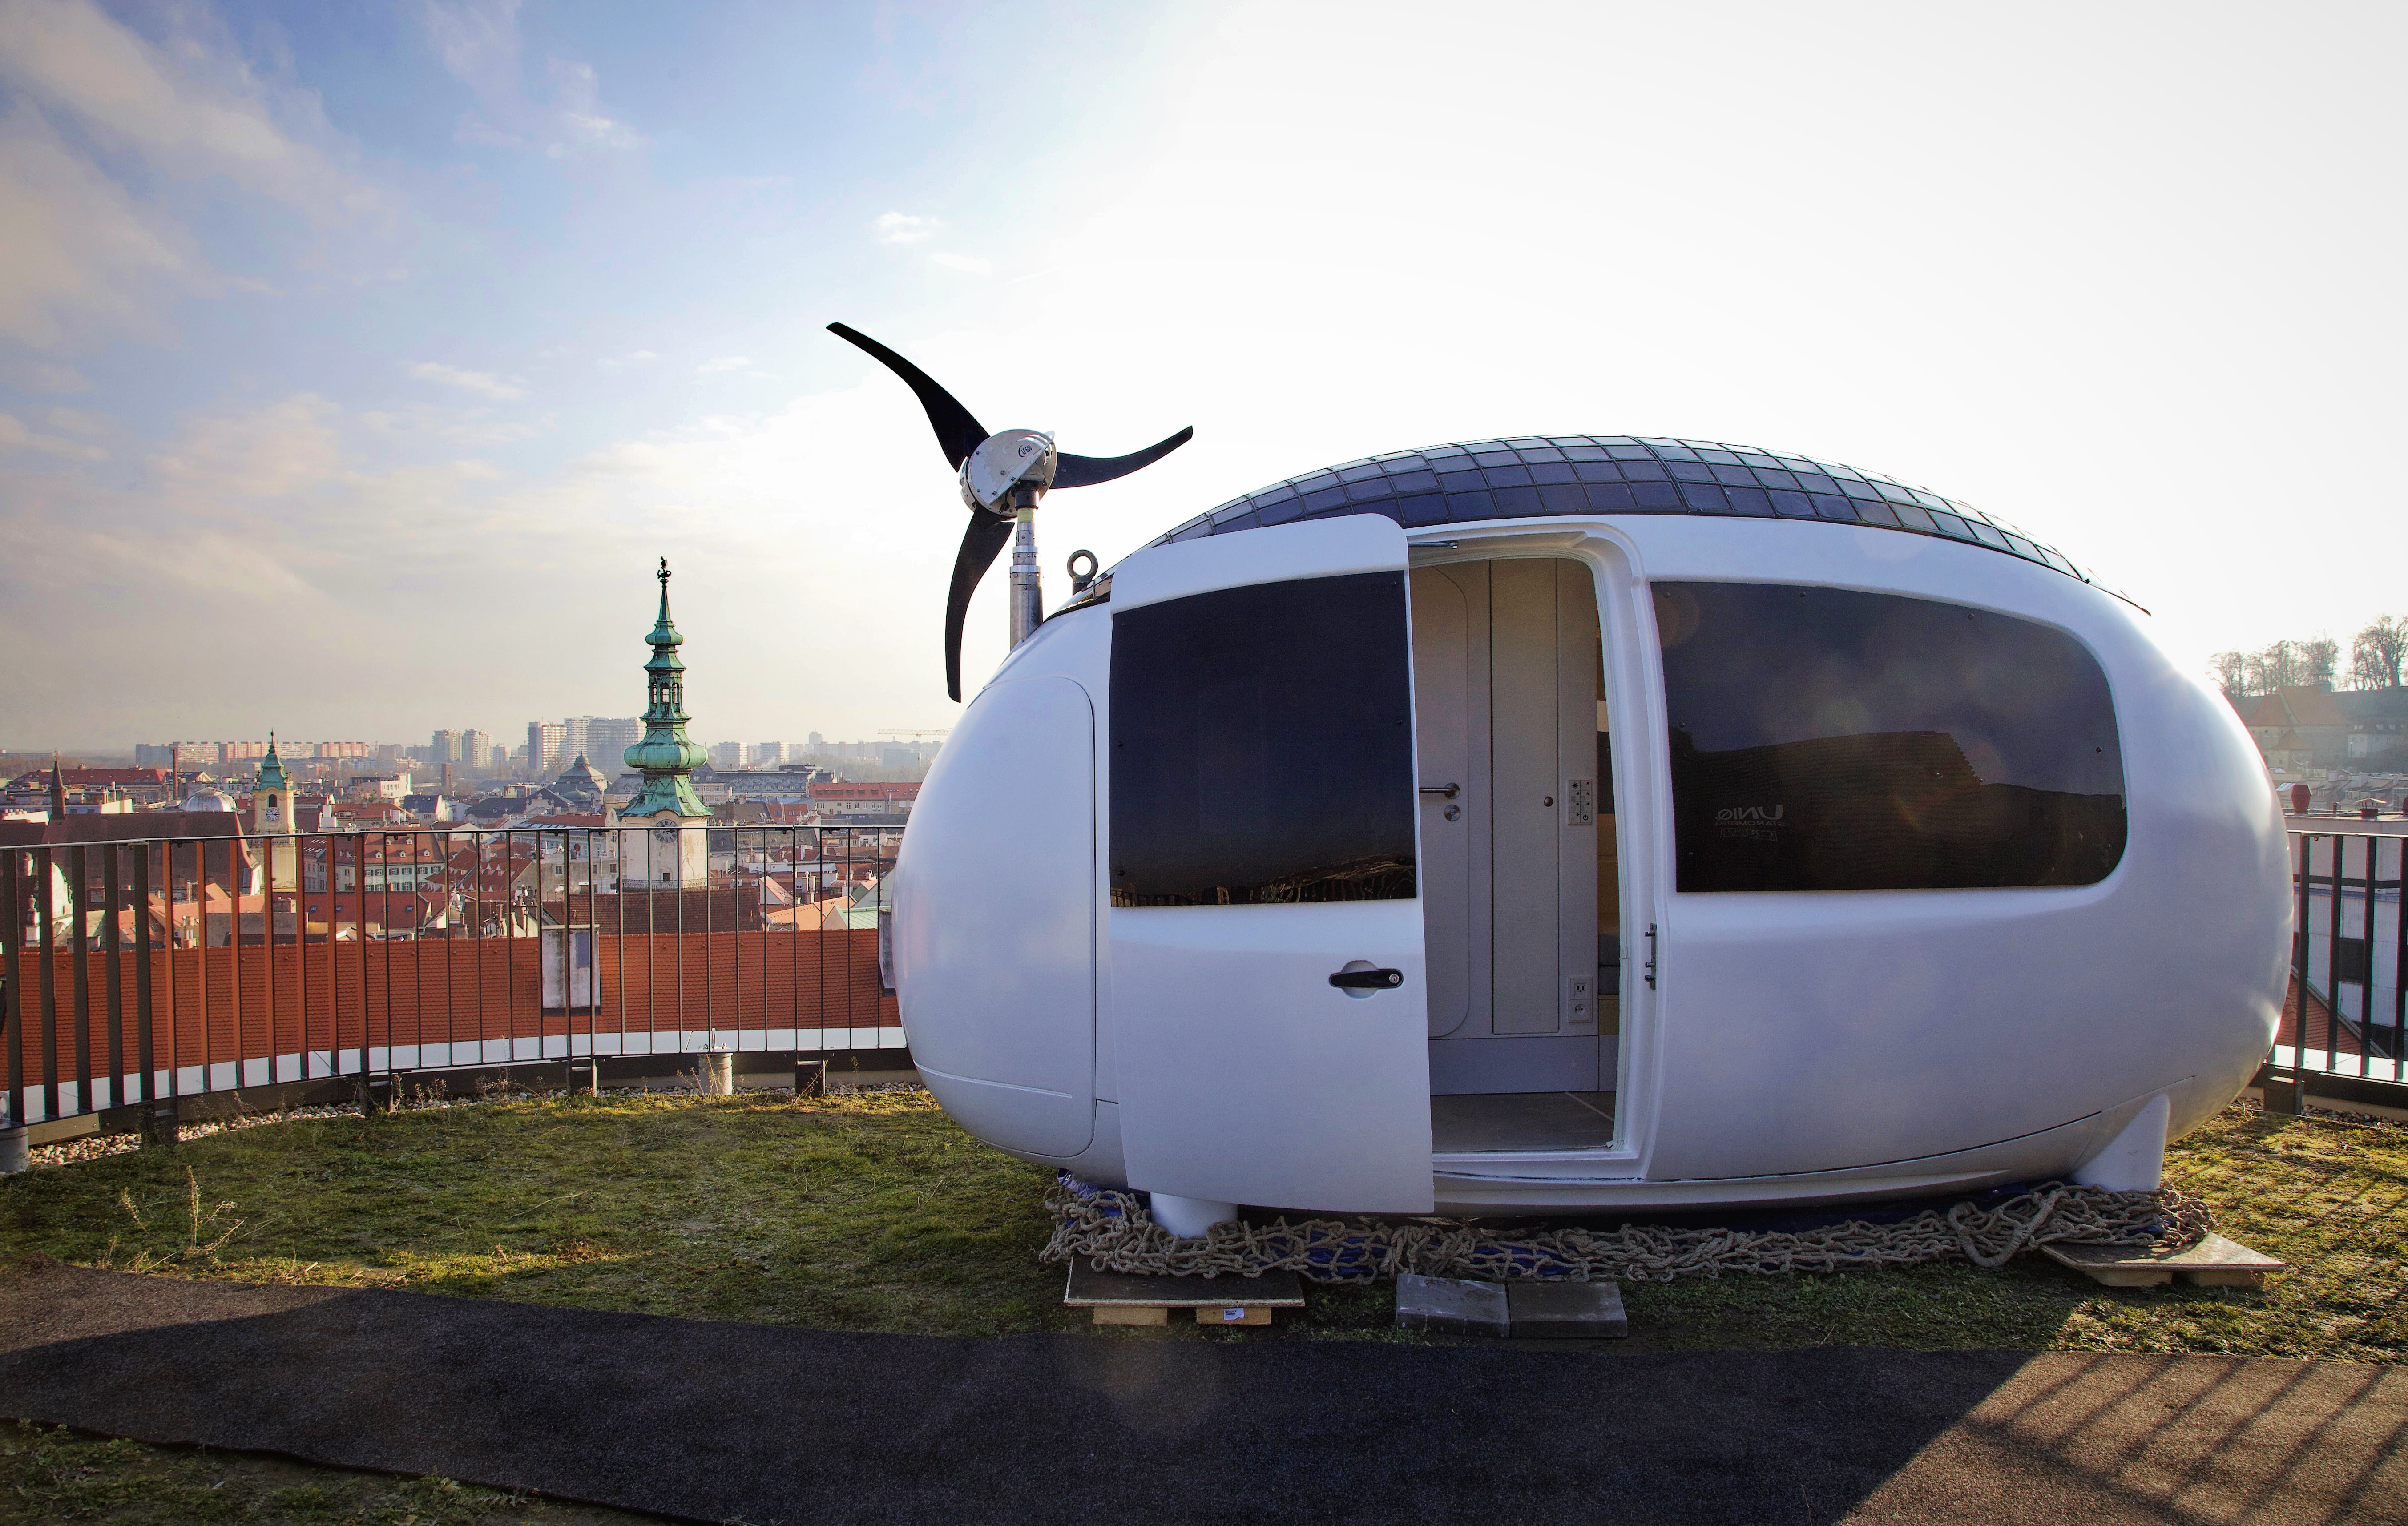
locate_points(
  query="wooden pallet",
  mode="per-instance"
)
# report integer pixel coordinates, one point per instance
(2213, 1262)
(1114, 1299)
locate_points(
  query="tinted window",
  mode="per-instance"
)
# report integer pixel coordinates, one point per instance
(1823, 739)
(1262, 746)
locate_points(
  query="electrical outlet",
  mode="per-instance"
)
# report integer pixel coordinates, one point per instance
(1580, 798)
(1580, 1004)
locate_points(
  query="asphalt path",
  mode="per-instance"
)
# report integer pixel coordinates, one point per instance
(768, 1424)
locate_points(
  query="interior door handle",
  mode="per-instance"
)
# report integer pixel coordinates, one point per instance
(1450, 791)
(1368, 979)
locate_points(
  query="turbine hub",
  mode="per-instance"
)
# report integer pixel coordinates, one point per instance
(1004, 463)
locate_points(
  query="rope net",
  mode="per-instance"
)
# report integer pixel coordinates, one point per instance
(1114, 1229)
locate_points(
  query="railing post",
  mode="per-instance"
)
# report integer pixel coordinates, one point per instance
(158, 1113)
(112, 940)
(168, 904)
(237, 853)
(2398, 1042)
(2280, 1097)
(2366, 976)
(79, 942)
(2332, 953)
(46, 867)
(12, 1015)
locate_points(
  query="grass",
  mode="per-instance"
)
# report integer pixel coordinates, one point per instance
(56, 1474)
(861, 1211)
(874, 1211)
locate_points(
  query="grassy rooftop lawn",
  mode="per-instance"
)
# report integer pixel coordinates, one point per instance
(50, 1474)
(873, 1211)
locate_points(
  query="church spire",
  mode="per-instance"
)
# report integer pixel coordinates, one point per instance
(271, 768)
(666, 755)
(272, 793)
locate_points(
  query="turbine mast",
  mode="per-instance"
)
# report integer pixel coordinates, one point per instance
(1027, 593)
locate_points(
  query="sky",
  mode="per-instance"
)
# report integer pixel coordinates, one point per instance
(358, 362)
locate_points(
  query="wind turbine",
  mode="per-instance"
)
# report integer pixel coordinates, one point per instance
(1003, 477)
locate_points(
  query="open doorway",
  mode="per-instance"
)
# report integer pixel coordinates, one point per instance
(1522, 899)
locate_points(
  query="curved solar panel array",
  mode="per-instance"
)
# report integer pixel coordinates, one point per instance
(1611, 474)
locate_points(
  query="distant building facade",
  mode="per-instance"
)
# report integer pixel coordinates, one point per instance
(2299, 727)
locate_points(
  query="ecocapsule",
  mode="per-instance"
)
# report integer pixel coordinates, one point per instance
(1584, 823)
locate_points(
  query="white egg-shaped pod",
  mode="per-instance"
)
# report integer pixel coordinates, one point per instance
(995, 919)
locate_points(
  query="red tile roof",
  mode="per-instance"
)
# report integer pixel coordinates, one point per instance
(850, 790)
(94, 778)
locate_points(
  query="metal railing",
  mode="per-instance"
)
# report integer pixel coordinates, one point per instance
(152, 970)
(146, 971)
(2347, 1010)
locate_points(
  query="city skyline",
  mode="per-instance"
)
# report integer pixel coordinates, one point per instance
(356, 366)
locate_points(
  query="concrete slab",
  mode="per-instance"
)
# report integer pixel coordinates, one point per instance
(2213, 1262)
(1565, 1310)
(1453, 1305)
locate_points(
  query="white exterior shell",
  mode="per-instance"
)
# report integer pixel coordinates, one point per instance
(1795, 1047)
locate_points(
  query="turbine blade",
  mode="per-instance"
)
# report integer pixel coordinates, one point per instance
(957, 431)
(1086, 471)
(980, 543)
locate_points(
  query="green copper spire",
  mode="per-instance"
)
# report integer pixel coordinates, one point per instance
(664, 755)
(271, 768)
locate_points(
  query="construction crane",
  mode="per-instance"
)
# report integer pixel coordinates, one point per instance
(915, 735)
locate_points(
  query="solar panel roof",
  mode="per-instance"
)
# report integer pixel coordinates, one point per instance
(1537, 476)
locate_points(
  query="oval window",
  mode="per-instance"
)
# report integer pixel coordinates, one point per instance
(1828, 739)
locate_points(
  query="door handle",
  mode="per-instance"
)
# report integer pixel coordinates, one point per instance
(1368, 979)
(1449, 791)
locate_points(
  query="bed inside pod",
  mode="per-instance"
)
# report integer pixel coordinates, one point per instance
(1522, 899)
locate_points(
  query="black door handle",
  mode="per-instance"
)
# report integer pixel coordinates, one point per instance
(1368, 979)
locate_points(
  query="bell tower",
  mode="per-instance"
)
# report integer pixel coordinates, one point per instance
(272, 796)
(675, 852)
(273, 812)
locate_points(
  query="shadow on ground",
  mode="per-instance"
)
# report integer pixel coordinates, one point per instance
(720, 1421)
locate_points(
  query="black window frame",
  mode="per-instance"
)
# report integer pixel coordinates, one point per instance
(1308, 682)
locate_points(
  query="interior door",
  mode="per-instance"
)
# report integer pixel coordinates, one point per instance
(1268, 997)
(1450, 688)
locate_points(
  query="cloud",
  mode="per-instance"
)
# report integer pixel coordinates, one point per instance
(576, 92)
(114, 149)
(903, 228)
(633, 357)
(15, 435)
(234, 461)
(724, 362)
(409, 426)
(41, 376)
(485, 383)
(480, 44)
(79, 247)
(192, 107)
